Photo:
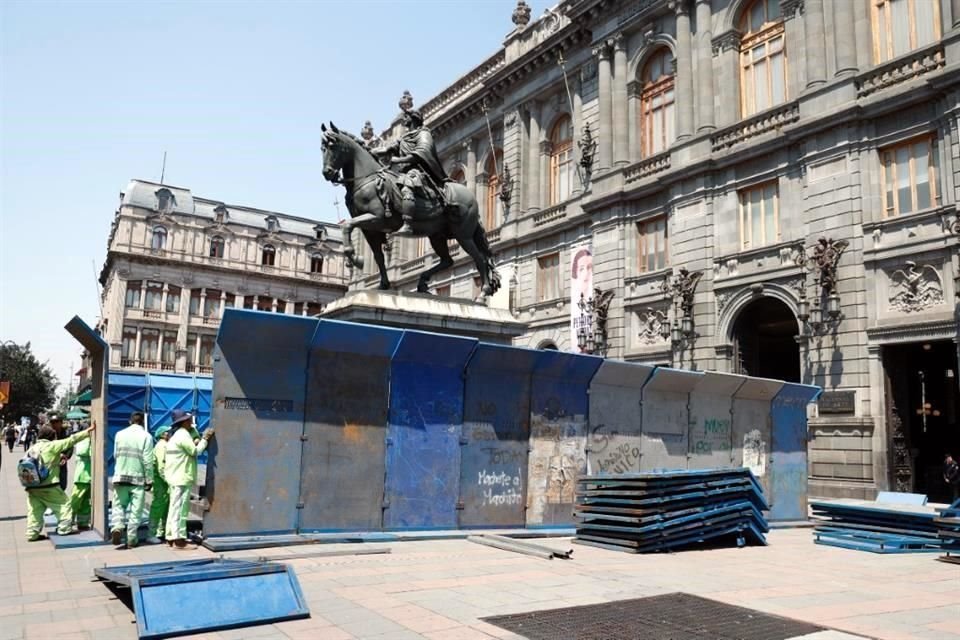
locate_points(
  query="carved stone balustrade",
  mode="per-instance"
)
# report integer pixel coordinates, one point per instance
(904, 68)
(765, 122)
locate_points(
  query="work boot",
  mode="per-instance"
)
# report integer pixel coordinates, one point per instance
(116, 537)
(183, 545)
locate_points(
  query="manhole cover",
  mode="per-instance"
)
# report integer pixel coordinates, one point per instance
(674, 616)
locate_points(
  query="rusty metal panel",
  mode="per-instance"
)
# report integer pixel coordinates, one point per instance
(496, 431)
(711, 421)
(752, 427)
(666, 418)
(253, 470)
(423, 434)
(348, 387)
(558, 430)
(614, 438)
(788, 411)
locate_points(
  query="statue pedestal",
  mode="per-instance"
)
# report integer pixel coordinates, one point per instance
(426, 313)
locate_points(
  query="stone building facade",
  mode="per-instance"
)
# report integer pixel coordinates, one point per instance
(717, 142)
(175, 261)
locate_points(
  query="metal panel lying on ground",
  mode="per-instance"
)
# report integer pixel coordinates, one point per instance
(614, 438)
(348, 388)
(558, 432)
(666, 418)
(179, 598)
(423, 435)
(258, 391)
(788, 414)
(496, 430)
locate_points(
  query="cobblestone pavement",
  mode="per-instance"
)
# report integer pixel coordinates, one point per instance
(440, 590)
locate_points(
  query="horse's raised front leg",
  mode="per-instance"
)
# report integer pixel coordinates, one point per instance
(439, 244)
(376, 239)
(348, 251)
(473, 250)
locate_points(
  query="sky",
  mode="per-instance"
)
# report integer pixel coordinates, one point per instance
(93, 93)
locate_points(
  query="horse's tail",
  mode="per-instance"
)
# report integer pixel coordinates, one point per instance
(480, 239)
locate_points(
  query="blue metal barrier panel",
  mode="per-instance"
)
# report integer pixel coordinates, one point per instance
(613, 442)
(788, 491)
(202, 407)
(178, 598)
(423, 434)
(710, 436)
(259, 384)
(126, 393)
(345, 425)
(666, 418)
(558, 434)
(496, 430)
(168, 393)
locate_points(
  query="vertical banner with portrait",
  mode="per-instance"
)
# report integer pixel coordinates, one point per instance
(581, 284)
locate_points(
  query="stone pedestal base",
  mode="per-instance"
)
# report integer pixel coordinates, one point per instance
(427, 313)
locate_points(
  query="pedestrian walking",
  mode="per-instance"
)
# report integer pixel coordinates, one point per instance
(951, 475)
(10, 435)
(132, 475)
(39, 473)
(160, 503)
(80, 496)
(180, 470)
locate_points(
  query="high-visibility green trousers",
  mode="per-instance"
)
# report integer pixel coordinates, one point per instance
(158, 508)
(80, 503)
(127, 507)
(178, 513)
(38, 501)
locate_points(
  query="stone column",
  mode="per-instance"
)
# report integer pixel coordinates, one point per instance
(845, 36)
(815, 44)
(223, 302)
(620, 133)
(470, 171)
(184, 327)
(533, 157)
(481, 181)
(955, 11)
(633, 119)
(862, 27)
(684, 71)
(546, 147)
(163, 299)
(604, 135)
(704, 68)
(136, 350)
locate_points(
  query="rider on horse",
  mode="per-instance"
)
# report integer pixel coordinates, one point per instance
(415, 157)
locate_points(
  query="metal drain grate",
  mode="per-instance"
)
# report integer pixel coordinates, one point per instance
(674, 616)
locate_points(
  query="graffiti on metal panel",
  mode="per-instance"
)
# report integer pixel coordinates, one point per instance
(621, 459)
(557, 455)
(714, 436)
(600, 438)
(500, 488)
(258, 404)
(755, 452)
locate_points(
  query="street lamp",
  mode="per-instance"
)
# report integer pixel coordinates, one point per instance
(825, 313)
(592, 332)
(682, 288)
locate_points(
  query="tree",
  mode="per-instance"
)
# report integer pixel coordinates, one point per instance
(32, 384)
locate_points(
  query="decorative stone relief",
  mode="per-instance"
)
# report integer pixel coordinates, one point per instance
(651, 323)
(915, 288)
(548, 25)
(723, 298)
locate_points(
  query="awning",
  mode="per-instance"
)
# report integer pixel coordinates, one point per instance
(84, 398)
(77, 414)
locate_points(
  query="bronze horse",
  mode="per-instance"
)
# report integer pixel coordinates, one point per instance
(346, 161)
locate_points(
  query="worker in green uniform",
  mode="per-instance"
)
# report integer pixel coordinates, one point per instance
(49, 495)
(160, 503)
(80, 497)
(180, 471)
(132, 478)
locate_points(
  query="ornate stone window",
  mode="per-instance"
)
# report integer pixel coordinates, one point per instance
(149, 345)
(759, 216)
(268, 256)
(168, 350)
(211, 304)
(316, 263)
(273, 224)
(217, 245)
(166, 201)
(657, 107)
(494, 212)
(763, 58)
(159, 238)
(548, 277)
(652, 244)
(132, 299)
(561, 160)
(900, 26)
(909, 174)
(153, 298)
(221, 214)
(129, 346)
(173, 299)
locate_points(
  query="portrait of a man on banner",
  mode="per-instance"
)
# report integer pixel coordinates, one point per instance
(581, 287)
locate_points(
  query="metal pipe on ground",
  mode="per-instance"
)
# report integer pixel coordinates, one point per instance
(556, 553)
(316, 554)
(506, 544)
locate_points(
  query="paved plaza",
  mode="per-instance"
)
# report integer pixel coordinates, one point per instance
(441, 589)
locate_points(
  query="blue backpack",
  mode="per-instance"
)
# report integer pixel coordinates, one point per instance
(31, 470)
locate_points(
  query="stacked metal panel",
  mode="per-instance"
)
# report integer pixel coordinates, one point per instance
(670, 510)
(884, 527)
(948, 530)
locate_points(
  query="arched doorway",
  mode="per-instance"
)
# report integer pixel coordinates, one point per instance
(764, 344)
(548, 345)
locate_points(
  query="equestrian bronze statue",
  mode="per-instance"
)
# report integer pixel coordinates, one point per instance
(408, 193)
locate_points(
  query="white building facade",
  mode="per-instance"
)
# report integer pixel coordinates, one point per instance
(731, 136)
(175, 262)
